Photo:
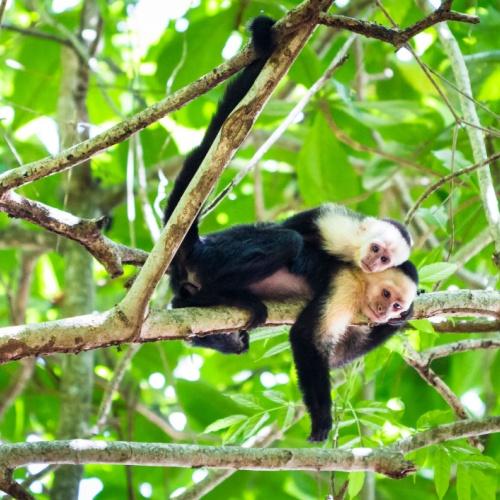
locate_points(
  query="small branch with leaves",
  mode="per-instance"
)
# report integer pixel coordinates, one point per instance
(87, 232)
(396, 37)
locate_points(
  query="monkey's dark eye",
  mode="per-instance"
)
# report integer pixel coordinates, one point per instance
(386, 293)
(384, 259)
(396, 306)
(375, 248)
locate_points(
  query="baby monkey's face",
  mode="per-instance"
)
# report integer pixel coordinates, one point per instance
(382, 247)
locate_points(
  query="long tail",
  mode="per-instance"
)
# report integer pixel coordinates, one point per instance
(262, 39)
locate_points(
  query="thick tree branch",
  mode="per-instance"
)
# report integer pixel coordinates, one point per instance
(93, 331)
(395, 37)
(87, 232)
(387, 460)
(460, 303)
(80, 451)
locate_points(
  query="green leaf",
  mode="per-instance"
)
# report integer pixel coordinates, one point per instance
(276, 397)
(442, 470)
(463, 483)
(485, 485)
(323, 169)
(256, 423)
(437, 272)
(224, 423)
(445, 156)
(422, 325)
(356, 481)
(290, 413)
(247, 400)
(267, 333)
(433, 418)
(273, 351)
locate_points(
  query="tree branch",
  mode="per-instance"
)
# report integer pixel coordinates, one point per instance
(395, 37)
(387, 460)
(448, 432)
(337, 61)
(86, 232)
(421, 365)
(467, 326)
(3, 5)
(432, 188)
(94, 331)
(37, 34)
(456, 347)
(86, 149)
(9, 486)
(79, 451)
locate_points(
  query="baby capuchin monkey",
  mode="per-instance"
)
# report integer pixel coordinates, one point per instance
(370, 243)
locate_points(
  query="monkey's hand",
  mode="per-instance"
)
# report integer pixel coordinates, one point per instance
(258, 315)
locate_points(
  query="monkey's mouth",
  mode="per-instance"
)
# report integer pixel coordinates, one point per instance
(365, 267)
(375, 317)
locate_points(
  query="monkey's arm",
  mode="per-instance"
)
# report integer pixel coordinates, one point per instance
(359, 340)
(311, 364)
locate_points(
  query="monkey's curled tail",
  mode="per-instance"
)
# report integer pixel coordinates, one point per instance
(262, 39)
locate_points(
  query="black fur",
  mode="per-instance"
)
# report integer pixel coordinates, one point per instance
(402, 229)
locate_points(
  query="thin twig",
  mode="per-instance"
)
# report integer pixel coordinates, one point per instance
(432, 188)
(3, 5)
(113, 386)
(337, 61)
(396, 37)
(343, 137)
(37, 34)
(421, 366)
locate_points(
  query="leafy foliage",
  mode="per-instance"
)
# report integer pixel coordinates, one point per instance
(203, 396)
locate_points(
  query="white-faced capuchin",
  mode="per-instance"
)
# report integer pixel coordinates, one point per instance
(242, 265)
(322, 336)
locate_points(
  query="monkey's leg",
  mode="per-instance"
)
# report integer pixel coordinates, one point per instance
(312, 371)
(227, 343)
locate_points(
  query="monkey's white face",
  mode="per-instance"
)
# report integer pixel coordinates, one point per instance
(388, 294)
(382, 247)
